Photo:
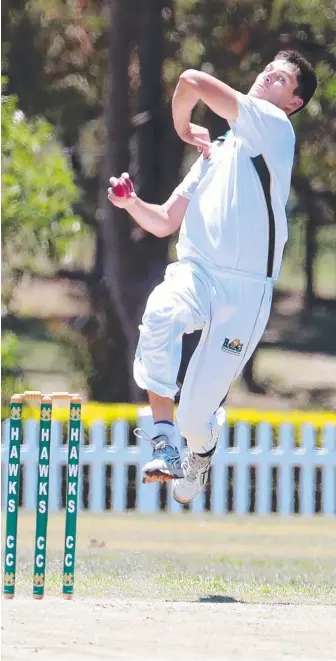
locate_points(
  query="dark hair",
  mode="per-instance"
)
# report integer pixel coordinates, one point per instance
(306, 77)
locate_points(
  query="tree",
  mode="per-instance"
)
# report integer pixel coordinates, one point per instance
(38, 193)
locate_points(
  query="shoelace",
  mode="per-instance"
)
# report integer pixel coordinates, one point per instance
(192, 462)
(156, 444)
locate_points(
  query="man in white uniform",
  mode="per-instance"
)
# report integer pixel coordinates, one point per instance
(231, 210)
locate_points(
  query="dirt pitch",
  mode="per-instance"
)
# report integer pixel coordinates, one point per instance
(179, 588)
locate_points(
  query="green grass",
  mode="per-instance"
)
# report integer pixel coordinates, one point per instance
(190, 558)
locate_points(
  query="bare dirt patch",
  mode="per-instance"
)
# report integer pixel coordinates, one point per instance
(135, 630)
(181, 587)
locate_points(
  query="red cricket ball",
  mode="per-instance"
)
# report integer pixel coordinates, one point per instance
(123, 187)
(129, 185)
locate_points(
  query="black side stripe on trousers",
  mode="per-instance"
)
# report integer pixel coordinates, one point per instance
(265, 180)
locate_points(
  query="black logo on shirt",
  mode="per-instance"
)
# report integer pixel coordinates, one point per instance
(232, 346)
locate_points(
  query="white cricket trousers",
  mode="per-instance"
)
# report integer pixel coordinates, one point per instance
(232, 309)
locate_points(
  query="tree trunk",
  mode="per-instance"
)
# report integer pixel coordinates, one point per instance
(129, 262)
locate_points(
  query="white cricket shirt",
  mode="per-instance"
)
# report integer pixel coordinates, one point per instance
(226, 224)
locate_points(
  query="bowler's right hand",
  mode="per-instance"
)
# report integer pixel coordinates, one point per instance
(121, 192)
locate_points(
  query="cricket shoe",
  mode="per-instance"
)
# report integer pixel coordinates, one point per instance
(165, 464)
(195, 476)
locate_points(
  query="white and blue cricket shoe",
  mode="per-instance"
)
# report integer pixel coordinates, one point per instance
(195, 476)
(165, 464)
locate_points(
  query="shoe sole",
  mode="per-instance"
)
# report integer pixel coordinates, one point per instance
(184, 502)
(159, 476)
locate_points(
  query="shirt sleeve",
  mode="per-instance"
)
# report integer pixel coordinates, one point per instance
(261, 125)
(190, 182)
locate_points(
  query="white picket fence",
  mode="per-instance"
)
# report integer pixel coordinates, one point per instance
(231, 487)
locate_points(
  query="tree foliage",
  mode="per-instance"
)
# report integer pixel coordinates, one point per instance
(12, 375)
(38, 223)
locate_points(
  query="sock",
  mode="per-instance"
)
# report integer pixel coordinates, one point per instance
(165, 427)
(207, 454)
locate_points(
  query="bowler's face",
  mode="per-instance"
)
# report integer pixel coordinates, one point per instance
(276, 84)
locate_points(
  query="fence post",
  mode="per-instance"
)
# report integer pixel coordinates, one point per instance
(329, 470)
(242, 442)
(55, 478)
(285, 456)
(29, 459)
(120, 440)
(219, 474)
(96, 452)
(308, 472)
(264, 469)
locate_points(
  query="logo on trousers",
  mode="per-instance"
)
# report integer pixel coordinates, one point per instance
(232, 346)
